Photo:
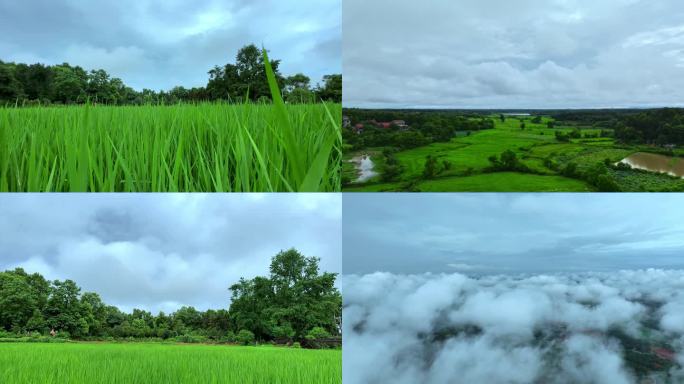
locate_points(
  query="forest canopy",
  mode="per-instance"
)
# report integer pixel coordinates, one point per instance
(245, 79)
(295, 302)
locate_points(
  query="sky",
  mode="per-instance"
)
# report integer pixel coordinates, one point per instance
(480, 234)
(513, 54)
(159, 44)
(163, 251)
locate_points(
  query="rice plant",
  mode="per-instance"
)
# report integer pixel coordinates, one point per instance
(24, 363)
(210, 147)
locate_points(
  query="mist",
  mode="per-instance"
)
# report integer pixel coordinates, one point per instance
(609, 327)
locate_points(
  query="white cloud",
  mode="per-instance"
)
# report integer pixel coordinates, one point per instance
(558, 329)
(503, 54)
(162, 251)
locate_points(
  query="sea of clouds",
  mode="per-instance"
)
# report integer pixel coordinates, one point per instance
(453, 328)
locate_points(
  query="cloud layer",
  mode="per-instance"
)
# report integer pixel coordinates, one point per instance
(160, 44)
(617, 327)
(522, 54)
(162, 251)
(511, 233)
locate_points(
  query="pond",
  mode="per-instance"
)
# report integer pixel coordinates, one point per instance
(656, 163)
(364, 167)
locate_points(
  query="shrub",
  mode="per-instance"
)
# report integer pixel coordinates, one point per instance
(245, 337)
(317, 333)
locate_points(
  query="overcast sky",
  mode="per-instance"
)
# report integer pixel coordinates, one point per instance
(163, 251)
(511, 233)
(513, 54)
(159, 44)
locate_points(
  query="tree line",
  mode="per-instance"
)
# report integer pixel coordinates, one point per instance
(295, 303)
(656, 127)
(425, 128)
(245, 79)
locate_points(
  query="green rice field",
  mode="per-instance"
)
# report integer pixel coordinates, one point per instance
(191, 148)
(535, 147)
(24, 363)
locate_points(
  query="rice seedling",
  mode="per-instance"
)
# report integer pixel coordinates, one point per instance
(165, 363)
(210, 147)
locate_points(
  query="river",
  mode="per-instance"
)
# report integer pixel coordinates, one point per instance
(364, 167)
(656, 163)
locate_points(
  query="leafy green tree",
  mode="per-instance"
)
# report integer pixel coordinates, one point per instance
(69, 85)
(16, 301)
(430, 169)
(37, 322)
(64, 309)
(295, 298)
(10, 88)
(297, 81)
(332, 88)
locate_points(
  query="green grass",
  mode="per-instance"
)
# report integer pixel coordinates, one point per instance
(486, 182)
(76, 363)
(505, 182)
(213, 147)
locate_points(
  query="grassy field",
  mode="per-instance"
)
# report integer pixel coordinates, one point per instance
(487, 182)
(535, 147)
(24, 363)
(203, 148)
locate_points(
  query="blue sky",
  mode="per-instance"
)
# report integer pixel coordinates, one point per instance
(511, 233)
(159, 44)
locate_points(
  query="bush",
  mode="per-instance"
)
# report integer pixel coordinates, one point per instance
(227, 338)
(245, 337)
(192, 339)
(296, 345)
(317, 333)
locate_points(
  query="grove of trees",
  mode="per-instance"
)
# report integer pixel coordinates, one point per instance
(660, 127)
(29, 84)
(294, 303)
(425, 128)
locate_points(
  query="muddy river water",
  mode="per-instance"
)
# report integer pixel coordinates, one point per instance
(656, 163)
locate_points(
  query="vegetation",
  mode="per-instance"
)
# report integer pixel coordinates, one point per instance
(659, 127)
(206, 147)
(545, 151)
(38, 84)
(159, 363)
(288, 305)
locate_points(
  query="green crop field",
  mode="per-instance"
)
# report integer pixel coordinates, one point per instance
(535, 146)
(204, 148)
(211, 147)
(24, 363)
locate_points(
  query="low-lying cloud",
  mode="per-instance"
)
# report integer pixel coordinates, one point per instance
(618, 327)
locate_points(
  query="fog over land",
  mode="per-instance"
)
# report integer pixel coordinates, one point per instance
(611, 328)
(513, 288)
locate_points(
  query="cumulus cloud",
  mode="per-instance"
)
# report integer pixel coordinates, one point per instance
(160, 44)
(503, 54)
(162, 251)
(617, 327)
